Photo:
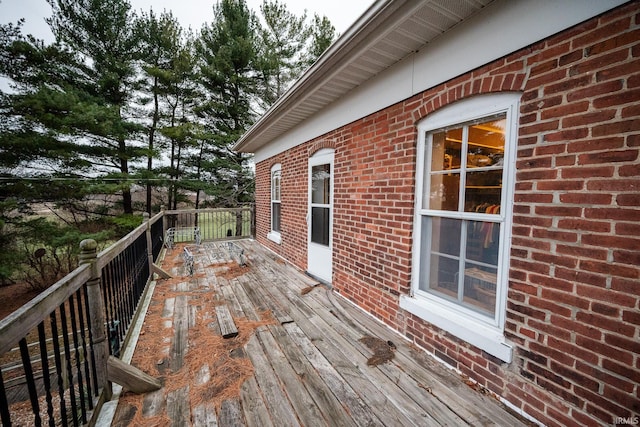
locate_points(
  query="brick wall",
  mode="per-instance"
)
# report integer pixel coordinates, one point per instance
(573, 308)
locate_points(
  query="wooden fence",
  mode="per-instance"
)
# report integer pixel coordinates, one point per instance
(66, 334)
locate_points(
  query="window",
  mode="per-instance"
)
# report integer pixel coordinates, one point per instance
(320, 203)
(463, 217)
(276, 215)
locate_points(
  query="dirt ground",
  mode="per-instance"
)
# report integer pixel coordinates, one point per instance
(14, 296)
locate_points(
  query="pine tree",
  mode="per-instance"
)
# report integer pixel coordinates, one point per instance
(101, 35)
(323, 33)
(227, 49)
(283, 42)
(162, 46)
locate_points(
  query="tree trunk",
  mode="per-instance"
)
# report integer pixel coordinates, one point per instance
(127, 202)
(152, 133)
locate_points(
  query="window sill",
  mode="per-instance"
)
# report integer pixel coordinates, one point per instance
(485, 337)
(275, 237)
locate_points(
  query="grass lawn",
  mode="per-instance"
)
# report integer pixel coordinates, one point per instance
(214, 225)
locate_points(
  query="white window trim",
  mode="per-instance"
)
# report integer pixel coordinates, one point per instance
(273, 235)
(472, 327)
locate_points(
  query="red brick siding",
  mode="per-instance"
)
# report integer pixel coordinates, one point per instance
(573, 309)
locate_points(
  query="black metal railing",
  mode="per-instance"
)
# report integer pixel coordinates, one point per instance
(54, 349)
(48, 361)
(214, 224)
(123, 281)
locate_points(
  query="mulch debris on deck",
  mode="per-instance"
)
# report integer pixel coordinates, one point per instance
(297, 358)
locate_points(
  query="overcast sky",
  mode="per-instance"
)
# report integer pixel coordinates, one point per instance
(193, 13)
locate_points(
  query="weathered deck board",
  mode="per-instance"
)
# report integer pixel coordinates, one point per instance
(264, 299)
(309, 367)
(178, 407)
(443, 385)
(181, 329)
(228, 327)
(231, 414)
(243, 299)
(255, 410)
(396, 405)
(153, 403)
(307, 411)
(274, 396)
(319, 391)
(334, 351)
(205, 416)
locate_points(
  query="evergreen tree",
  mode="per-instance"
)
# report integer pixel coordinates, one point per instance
(287, 47)
(227, 49)
(31, 111)
(101, 35)
(323, 33)
(161, 43)
(283, 42)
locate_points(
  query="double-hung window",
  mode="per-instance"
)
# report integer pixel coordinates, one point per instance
(276, 214)
(466, 155)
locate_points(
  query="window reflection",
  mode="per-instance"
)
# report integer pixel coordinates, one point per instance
(320, 184)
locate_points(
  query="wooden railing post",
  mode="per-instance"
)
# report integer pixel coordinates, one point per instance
(88, 255)
(145, 217)
(164, 221)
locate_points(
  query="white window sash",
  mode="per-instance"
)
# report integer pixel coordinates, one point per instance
(484, 331)
(276, 196)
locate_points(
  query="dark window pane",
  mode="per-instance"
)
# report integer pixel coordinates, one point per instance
(483, 242)
(440, 236)
(320, 218)
(275, 216)
(483, 192)
(446, 150)
(445, 236)
(275, 186)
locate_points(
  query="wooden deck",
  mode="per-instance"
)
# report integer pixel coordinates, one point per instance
(300, 356)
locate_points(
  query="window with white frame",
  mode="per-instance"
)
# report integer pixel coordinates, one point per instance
(466, 155)
(274, 234)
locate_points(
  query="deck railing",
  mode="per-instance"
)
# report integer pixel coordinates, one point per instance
(54, 349)
(213, 224)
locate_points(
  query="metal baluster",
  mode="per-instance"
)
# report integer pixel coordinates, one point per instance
(83, 335)
(128, 294)
(143, 269)
(58, 360)
(80, 382)
(106, 281)
(107, 291)
(67, 358)
(122, 284)
(5, 416)
(46, 375)
(31, 384)
(133, 290)
(94, 373)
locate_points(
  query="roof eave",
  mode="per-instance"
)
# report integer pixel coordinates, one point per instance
(357, 38)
